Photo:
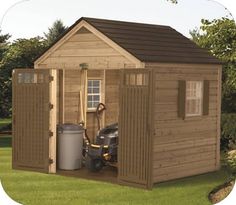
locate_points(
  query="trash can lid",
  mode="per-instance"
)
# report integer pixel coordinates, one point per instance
(70, 127)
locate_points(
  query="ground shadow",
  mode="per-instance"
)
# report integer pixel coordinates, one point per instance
(5, 141)
(201, 179)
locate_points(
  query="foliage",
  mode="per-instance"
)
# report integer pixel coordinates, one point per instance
(228, 131)
(5, 141)
(54, 32)
(6, 128)
(20, 54)
(173, 1)
(231, 161)
(4, 123)
(229, 87)
(3, 43)
(219, 37)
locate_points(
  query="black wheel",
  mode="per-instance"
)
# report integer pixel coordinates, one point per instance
(94, 165)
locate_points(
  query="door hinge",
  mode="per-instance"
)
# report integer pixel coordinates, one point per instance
(50, 106)
(50, 161)
(50, 133)
(50, 78)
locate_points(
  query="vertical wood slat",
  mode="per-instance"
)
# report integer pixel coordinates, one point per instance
(134, 135)
(14, 155)
(181, 98)
(53, 121)
(61, 95)
(151, 128)
(121, 127)
(218, 118)
(31, 122)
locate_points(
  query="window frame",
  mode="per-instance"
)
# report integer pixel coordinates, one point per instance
(195, 98)
(93, 109)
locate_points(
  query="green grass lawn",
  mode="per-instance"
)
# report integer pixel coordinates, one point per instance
(31, 188)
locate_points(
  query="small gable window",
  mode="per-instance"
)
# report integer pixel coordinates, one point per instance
(94, 94)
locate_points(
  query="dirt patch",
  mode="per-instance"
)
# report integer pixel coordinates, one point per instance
(221, 192)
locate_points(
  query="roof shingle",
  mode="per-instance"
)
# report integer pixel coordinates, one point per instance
(151, 43)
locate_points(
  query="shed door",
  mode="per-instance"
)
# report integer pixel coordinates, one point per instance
(31, 113)
(134, 157)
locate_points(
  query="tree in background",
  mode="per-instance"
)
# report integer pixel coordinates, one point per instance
(219, 38)
(3, 43)
(3, 48)
(57, 29)
(173, 1)
(20, 54)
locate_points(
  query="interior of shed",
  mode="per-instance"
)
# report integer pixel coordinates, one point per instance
(78, 93)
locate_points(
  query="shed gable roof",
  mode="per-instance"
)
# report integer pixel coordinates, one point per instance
(150, 43)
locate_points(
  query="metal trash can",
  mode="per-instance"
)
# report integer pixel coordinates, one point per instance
(70, 146)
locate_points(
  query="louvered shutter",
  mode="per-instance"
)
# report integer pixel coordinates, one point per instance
(181, 99)
(206, 90)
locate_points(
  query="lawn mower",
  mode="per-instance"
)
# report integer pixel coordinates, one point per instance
(104, 151)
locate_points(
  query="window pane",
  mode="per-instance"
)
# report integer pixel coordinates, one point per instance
(139, 79)
(90, 97)
(89, 90)
(20, 78)
(194, 98)
(145, 79)
(96, 98)
(95, 104)
(89, 83)
(132, 79)
(193, 106)
(95, 90)
(40, 78)
(95, 83)
(127, 79)
(89, 105)
(27, 77)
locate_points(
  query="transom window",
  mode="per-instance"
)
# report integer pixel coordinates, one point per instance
(194, 98)
(94, 93)
(30, 77)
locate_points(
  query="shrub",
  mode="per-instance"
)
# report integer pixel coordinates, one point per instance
(231, 161)
(5, 128)
(228, 131)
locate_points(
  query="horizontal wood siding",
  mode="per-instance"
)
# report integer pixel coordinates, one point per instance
(183, 147)
(85, 47)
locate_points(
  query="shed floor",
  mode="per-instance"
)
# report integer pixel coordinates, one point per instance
(107, 174)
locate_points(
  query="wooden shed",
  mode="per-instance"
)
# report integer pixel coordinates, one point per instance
(164, 91)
